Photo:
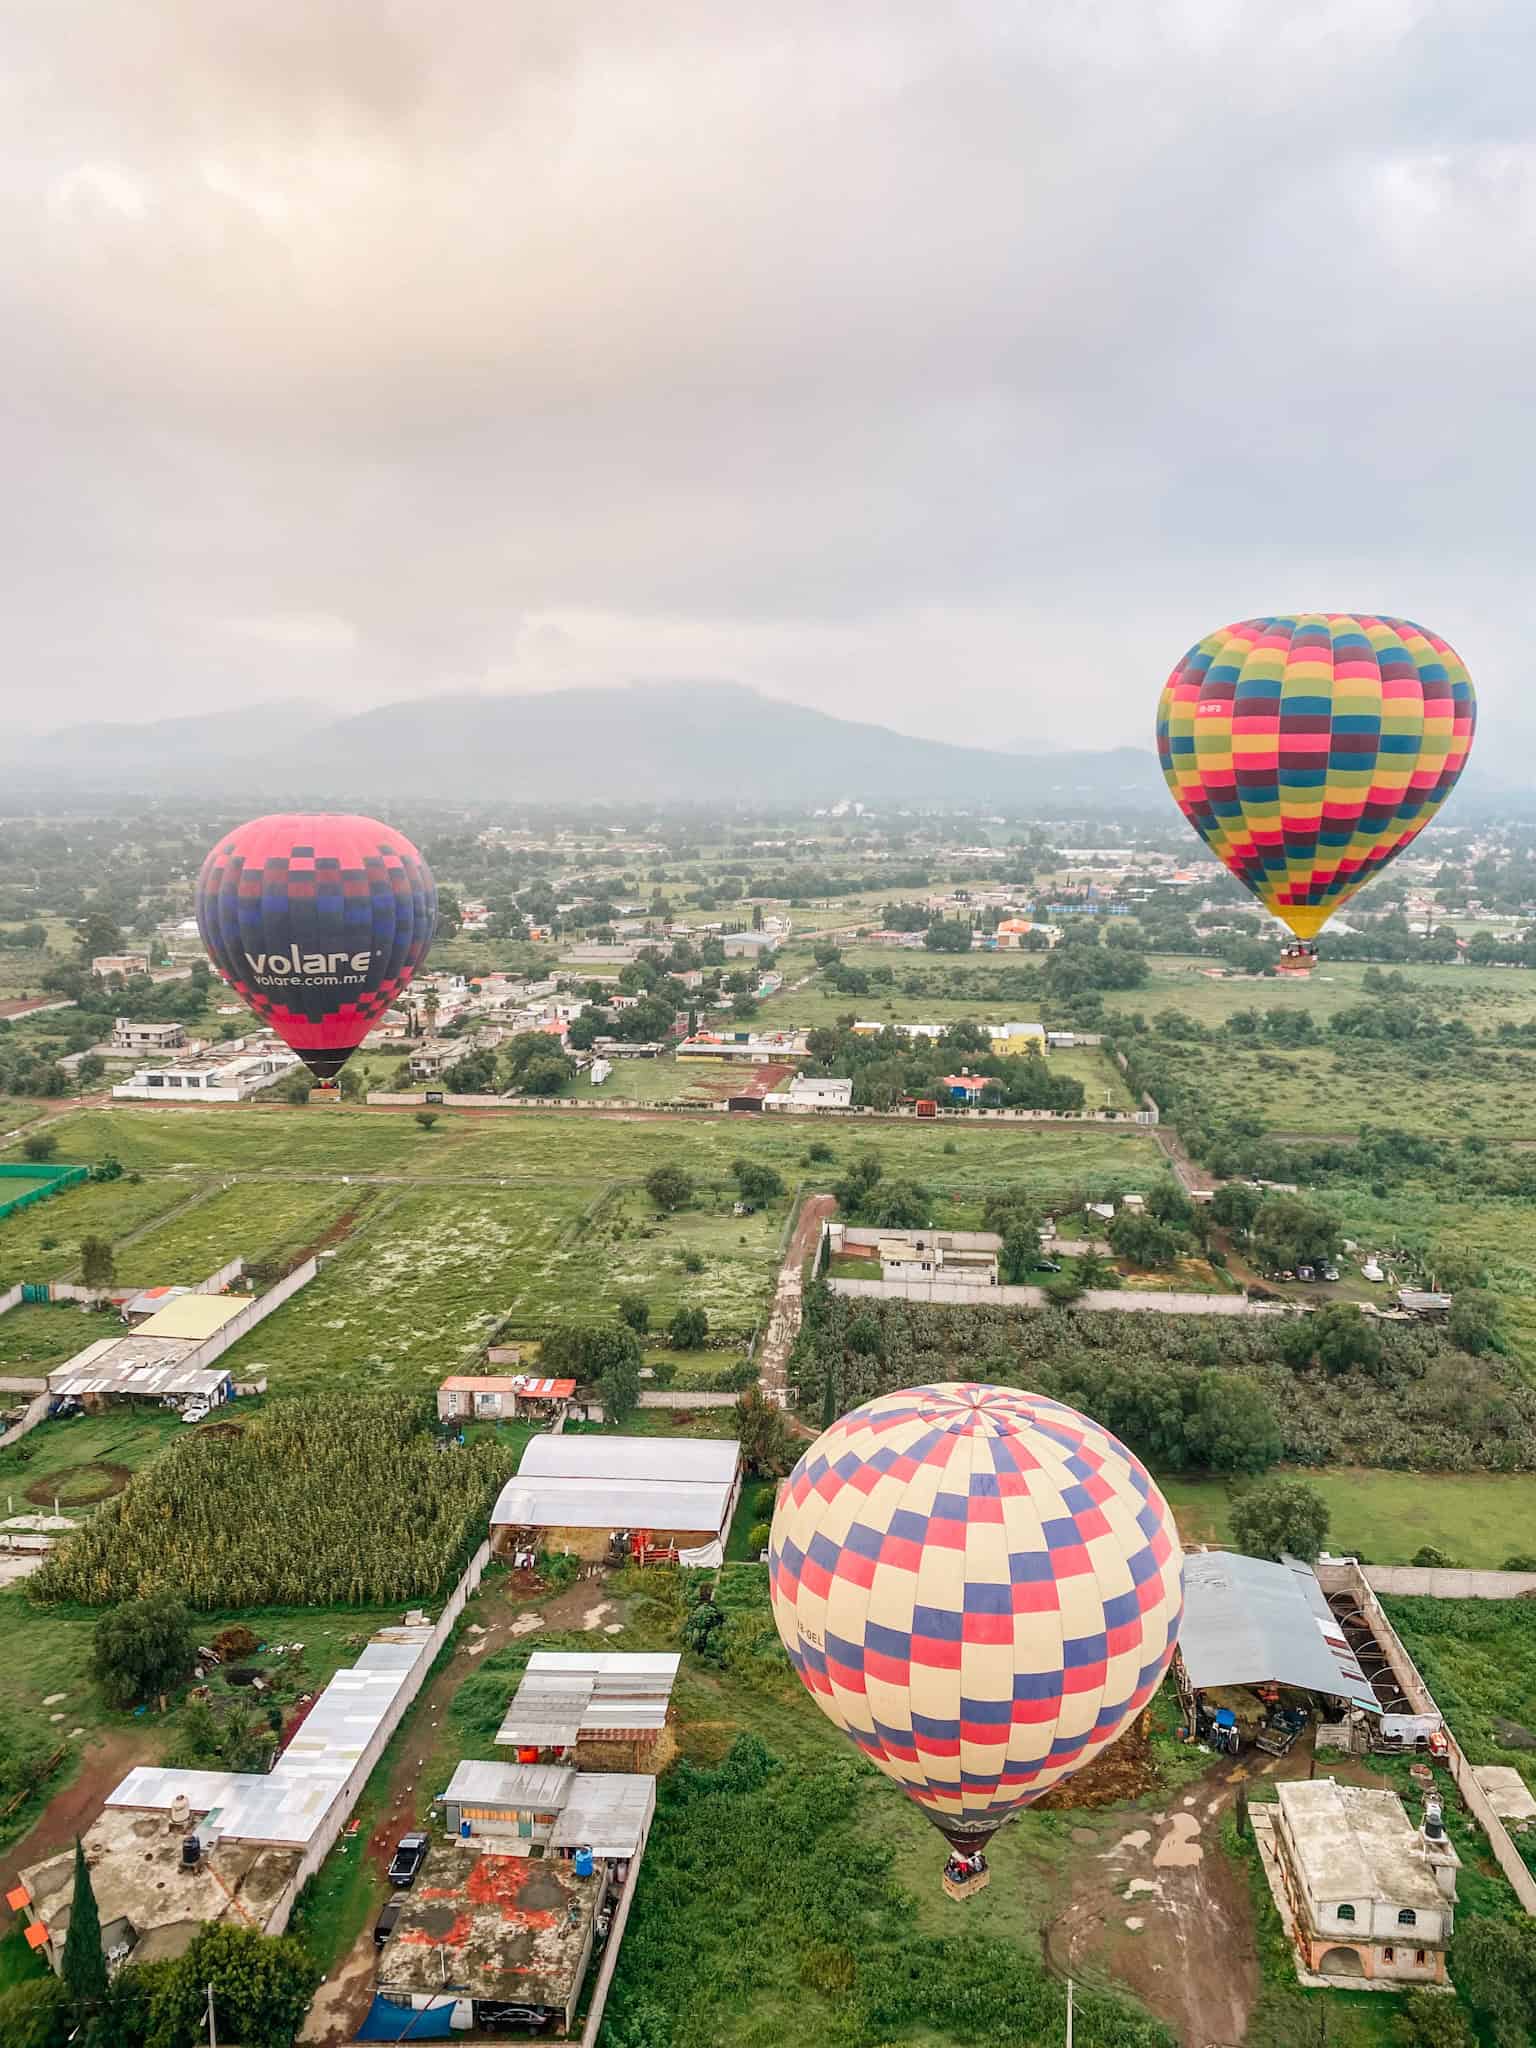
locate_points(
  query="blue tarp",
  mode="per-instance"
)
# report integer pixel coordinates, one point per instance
(388, 2021)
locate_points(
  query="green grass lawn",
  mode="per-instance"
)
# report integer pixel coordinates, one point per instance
(1385, 1517)
(43, 1242)
(251, 1220)
(36, 1336)
(1492, 995)
(67, 1454)
(1478, 1658)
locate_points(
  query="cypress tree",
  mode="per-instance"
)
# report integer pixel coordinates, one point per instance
(85, 1967)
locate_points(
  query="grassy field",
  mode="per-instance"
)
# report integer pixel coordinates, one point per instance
(1385, 1517)
(1478, 1658)
(253, 1220)
(72, 1456)
(43, 1242)
(37, 1336)
(1491, 995)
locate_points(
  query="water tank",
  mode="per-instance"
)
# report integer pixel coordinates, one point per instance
(191, 1852)
(181, 1810)
(583, 1862)
(1434, 1825)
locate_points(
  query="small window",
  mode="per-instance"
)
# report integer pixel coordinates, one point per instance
(1346, 1912)
(1407, 1917)
(1420, 1955)
(1386, 1955)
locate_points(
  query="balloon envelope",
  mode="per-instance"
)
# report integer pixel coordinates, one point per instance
(1308, 750)
(318, 922)
(980, 1587)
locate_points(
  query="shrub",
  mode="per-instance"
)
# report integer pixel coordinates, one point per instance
(757, 1537)
(1280, 1515)
(42, 1145)
(693, 1262)
(426, 1118)
(635, 1310)
(669, 1188)
(688, 1329)
(143, 1647)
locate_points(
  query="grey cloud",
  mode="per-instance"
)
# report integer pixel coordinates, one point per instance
(945, 366)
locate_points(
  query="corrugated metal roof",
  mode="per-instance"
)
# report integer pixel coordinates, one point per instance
(565, 1694)
(1248, 1621)
(546, 1786)
(689, 1460)
(607, 1813)
(196, 1316)
(594, 1503)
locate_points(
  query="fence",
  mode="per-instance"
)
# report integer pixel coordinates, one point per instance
(592, 1104)
(53, 1178)
(248, 1318)
(1448, 1582)
(217, 1282)
(1346, 1576)
(37, 1411)
(11, 1298)
(324, 1839)
(1117, 1301)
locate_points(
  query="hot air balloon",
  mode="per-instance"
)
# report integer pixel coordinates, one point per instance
(1307, 751)
(319, 923)
(981, 1588)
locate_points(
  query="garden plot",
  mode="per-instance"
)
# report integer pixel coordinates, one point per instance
(43, 1242)
(405, 1300)
(253, 1220)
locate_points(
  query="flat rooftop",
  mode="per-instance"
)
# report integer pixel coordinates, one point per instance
(137, 1875)
(567, 1694)
(690, 1460)
(143, 1365)
(196, 1316)
(490, 1926)
(1353, 1843)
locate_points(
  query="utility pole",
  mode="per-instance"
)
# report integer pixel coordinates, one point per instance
(213, 2039)
(1069, 2013)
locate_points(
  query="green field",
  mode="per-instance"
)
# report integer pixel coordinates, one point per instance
(1385, 1517)
(69, 1455)
(36, 1336)
(251, 1220)
(1489, 995)
(43, 1242)
(1478, 1658)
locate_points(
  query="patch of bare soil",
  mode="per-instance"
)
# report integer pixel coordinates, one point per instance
(1120, 1774)
(79, 1486)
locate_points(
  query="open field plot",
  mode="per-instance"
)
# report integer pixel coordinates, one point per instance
(1489, 995)
(244, 1138)
(1331, 1090)
(16, 1110)
(40, 1335)
(629, 1248)
(43, 1242)
(404, 1301)
(251, 1220)
(1478, 1658)
(1385, 1517)
(85, 1459)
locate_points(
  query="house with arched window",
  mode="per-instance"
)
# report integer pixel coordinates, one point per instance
(1366, 1895)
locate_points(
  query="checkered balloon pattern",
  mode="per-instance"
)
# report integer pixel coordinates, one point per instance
(980, 1587)
(1307, 751)
(289, 905)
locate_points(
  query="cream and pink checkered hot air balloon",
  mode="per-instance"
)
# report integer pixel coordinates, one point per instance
(981, 1588)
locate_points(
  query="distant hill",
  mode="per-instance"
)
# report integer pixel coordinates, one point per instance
(667, 742)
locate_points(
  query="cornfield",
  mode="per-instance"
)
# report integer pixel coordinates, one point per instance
(330, 1501)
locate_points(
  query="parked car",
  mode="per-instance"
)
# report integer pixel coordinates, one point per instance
(531, 2018)
(1305, 1273)
(196, 1411)
(1330, 1272)
(410, 1854)
(1047, 1265)
(384, 1926)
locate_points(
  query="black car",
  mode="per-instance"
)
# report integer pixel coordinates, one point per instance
(384, 1926)
(533, 2019)
(410, 1854)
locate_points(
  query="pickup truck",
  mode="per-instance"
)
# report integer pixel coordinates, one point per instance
(410, 1854)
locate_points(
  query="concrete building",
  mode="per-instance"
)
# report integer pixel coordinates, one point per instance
(809, 1092)
(1370, 1895)
(928, 1255)
(491, 1398)
(139, 1036)
(231, 1077)
(591, 1494)
(429, 1056)
(762, 1047)
(1016, 1038)
(120, 963)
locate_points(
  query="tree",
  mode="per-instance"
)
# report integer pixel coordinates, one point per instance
(1344, 1340)
(587, 1350)
(864, 1335)
(758, 1184)
(899, 1205)
(352, 1085)
(669, 1188)
(296, 1087)
(1142, 1240)
(688, 1329)
(1280, 1515)
(98, 932)
(84, 1966)
(948, 935)
(618, 1385)
(40, 1147)
(1289, 1232)
(426, 1118)
(548, 1075)
(474, 1073)
(1428, 2020)
(142, 1648)
(1235, 1207)
(35, 2013)
(1232, 1427)
(635, 1310)
(766, 1445)
(1493, 1962)
(1473, 1323)
(261, 1988)
(98, 1265)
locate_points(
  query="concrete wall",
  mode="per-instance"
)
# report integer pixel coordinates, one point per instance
(224, 1277)
(11, 1298)
(960, 1240)
(1116, 1301)
(324, 1839)
(248, 1318)
(1450, 1584)
(380, 1098)
(680, 1396)
(37, 1411)
(1346, 1576)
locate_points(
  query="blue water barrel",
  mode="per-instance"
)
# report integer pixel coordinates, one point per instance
(464, 1831)
(583, 1862)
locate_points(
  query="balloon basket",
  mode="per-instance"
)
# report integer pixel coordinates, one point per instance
(967, 1887)
(1296, 968)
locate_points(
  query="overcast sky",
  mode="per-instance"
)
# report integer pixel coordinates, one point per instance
(952, 365)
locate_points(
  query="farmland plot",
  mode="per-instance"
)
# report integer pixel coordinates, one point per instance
(43, 1242)
(630, 1249)
(252, 1220)
(405, 1300)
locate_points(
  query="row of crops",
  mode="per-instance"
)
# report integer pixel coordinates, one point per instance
(331, 1501)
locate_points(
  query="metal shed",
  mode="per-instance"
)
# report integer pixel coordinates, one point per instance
(1249, 1621)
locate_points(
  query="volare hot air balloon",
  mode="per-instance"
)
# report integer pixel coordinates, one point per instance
(318, 922)
(1309, 750)
(981, 1588)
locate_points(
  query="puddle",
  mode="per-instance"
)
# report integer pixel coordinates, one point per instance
(1180, 1848)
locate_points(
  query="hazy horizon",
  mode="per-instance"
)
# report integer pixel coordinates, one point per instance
(948, 373)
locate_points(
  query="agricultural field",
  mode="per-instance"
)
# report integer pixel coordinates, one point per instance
(250, 1220)
(1489, 995)
(43, 1242)
(36, 1336)
(1477, 1518)
(1478, 1658)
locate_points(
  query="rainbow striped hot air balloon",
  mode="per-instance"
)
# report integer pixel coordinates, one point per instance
(981, 1588)
(1309, 750)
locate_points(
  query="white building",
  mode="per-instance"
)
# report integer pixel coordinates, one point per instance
(231, 1078)
(808, 1092)
(120, 963)
(131, 1035)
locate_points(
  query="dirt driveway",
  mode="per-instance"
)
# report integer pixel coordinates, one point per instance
(108, 1759)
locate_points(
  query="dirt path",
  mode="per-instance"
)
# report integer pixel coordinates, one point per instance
(108, 1759)
(1193, 1179)
(784, 1317)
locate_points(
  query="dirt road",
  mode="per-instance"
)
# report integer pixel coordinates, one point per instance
(784, 1318)
(108, 1759)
